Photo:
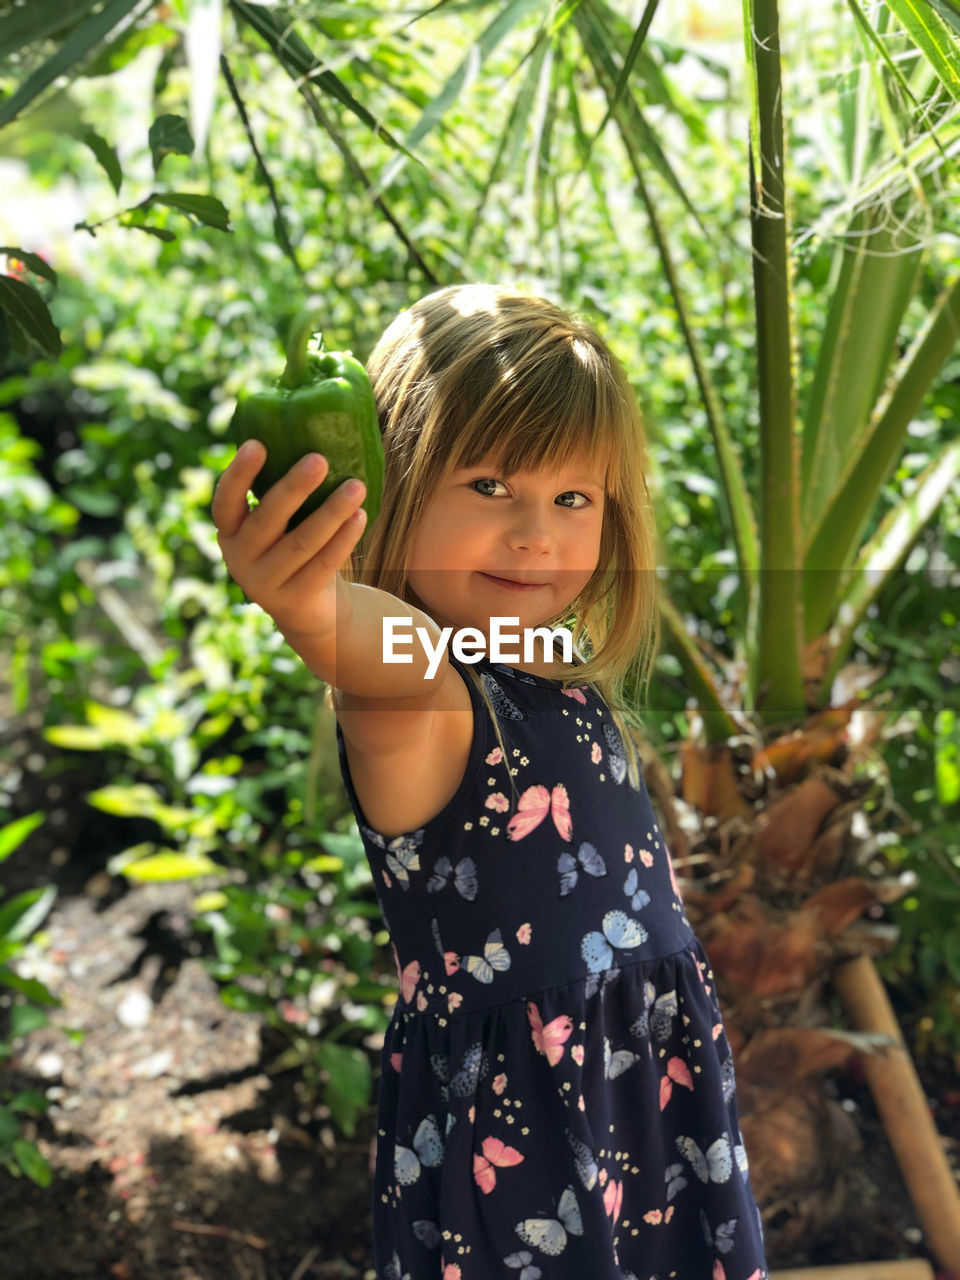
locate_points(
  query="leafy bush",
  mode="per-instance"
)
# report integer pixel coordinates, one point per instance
(20, 918)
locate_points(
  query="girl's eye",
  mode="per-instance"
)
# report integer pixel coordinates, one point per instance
(491, 480)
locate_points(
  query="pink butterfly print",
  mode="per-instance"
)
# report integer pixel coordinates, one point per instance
(396, 1061)
(575, 693)
(452, 1272)
(451, 962)
(613, 1198)
(677, 1070)
(534, 805)
(496, 1155)
(551, 1038)
(409, 979)
(673, 876)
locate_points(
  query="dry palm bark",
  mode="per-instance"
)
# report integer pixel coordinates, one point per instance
(778, 855)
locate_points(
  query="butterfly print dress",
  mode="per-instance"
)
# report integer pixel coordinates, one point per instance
(557, 1098)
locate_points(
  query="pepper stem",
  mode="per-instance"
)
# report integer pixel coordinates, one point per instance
(296, 371)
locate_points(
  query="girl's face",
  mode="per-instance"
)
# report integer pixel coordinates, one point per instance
(539, 528)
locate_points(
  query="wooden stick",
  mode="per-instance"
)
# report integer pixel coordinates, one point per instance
(909, 1269)
(903, 1108)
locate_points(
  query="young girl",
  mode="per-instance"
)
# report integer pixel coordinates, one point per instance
(557, 1096)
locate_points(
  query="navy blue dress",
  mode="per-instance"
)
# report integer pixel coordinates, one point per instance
(557, 1096)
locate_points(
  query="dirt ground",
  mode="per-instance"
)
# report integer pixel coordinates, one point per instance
(176, 1156)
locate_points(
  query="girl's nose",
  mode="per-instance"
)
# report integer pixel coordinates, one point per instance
(530, 533)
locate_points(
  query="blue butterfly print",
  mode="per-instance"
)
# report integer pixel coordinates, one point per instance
(495, 957)
(615, 1064)
(588, 858)
(435, 930)
(523, 1259)
(618, 931)
(615, 756)
(723, 1240)
(549, 1235)
(403, 853)
(427, 1152)
(505, 707)
(393, 1272)
(464, 877)
(584, 1159)
(638, 897)
(727, 1078)
(600, 981)
(664, 1009)
(675, 1180)
(463, 1084)
(427, 1232)
(716, 1165)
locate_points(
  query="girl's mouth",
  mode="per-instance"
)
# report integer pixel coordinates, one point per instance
(513, 586)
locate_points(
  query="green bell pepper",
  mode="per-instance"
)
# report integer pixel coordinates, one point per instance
(321, 403)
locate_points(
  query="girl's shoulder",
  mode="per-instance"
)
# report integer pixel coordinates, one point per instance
(404, 779)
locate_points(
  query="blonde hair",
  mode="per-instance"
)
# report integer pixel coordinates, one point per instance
(476, 370)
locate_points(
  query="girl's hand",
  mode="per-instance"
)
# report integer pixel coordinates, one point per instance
(292, 576)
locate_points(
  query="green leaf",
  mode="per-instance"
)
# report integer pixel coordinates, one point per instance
(77, 737)
(170, 865)
(12, 337)
(347, 1089)
(138, 800)
(14, 833)
(511, 16)
(107, 156)
(161, 233)
(934, 40)
(26, 309)
(32, 261)
(77, 45)
(298, 60)
(91, 500)
(119, 726)
(31, 1101)
(32, 1162)
(23, 915)
(169, 134)
(33, 22)
(949, 11)
(207, 208)
(32, 988)
(25, 1018)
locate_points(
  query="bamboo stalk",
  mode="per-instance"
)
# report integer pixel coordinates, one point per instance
(908, 1269)
(903, 1109)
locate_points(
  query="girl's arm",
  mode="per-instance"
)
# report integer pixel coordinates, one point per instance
(351, 655)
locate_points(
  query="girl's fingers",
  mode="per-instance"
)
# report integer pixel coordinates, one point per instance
(326, 537)
(280, 502)
(314, 573)
(229, 508)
